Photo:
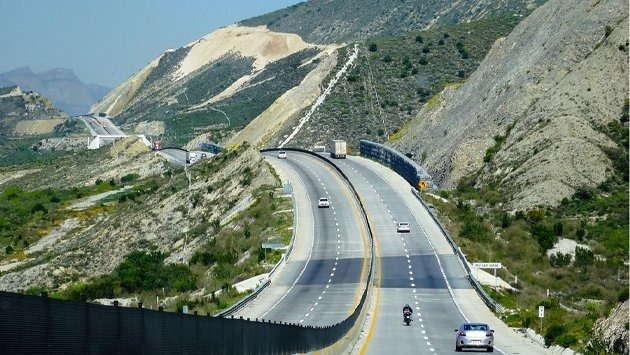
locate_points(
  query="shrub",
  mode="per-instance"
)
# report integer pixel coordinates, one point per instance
(560, 259)
(583, 257)
(544, 235)
(372, 47)
(584, 193)
(419, 39)
(553, 332)
(607, 31)
(558, 228)
(623, 295)
(129, 178)
(506, 221)
(566, 340)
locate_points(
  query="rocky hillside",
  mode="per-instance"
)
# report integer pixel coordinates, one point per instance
(214, 85)
(336, 21)
(612, 332)
(60, 85)
(168, 209)
(388, 82)
(27, 113)
(530, 117)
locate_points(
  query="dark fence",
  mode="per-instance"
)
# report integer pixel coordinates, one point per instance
(405, 167)
(41, 325)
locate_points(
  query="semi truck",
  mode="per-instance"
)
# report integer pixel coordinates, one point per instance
(337, 149)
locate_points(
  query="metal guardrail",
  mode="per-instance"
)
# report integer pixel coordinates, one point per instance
(476, 285)
(414, 173)
(401, 164)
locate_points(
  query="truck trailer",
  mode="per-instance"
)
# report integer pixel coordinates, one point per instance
(337, 149)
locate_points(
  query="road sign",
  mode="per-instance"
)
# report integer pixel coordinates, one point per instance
(541, 311)
(423, 184)
(487, 265)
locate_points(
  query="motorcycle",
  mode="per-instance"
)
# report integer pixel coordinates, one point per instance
(407, 317)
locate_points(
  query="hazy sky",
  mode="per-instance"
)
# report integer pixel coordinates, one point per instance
(105, 41)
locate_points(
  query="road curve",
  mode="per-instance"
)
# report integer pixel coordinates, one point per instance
(322, 281)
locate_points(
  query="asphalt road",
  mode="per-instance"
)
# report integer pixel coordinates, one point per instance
(418, 268)
(322, 281)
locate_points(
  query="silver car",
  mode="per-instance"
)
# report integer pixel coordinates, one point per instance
(474, 335)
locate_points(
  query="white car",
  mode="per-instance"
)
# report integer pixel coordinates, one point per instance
(323, 202)
(282, 154)
(403, 227)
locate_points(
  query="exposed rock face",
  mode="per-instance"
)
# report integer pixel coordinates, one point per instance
(562, 72)
(614, 330)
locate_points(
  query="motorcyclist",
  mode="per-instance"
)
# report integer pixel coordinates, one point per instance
(407, 310)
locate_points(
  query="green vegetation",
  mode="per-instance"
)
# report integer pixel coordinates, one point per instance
(581, 289)
(140, 271)
(26, 216)
(232, 254)
(393, 77)
(229, 253)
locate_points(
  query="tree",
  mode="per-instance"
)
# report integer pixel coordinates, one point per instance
(372, 47)
(583, 257)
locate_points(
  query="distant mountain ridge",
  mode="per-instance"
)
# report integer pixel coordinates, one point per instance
(60, 85)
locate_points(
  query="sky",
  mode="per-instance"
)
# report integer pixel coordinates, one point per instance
(106, 41)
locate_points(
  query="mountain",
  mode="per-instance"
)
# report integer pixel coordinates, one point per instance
(213, 87)
(531, 116)
(60, 85)
(520, 116)
(27, 113)
(336, 21)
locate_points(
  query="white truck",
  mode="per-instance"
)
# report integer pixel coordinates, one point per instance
(192, 158)
(337, 149)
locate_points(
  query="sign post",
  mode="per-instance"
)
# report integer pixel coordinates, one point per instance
(494, 266)
(541, 315)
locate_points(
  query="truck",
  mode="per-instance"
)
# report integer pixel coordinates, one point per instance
(337, 148)
(191, 158)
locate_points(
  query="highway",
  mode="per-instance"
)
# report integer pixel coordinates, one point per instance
(412, 269)
(419, 268)
(322, 281)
